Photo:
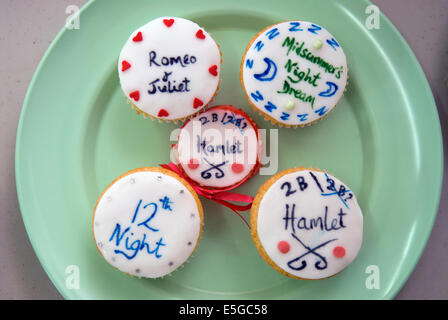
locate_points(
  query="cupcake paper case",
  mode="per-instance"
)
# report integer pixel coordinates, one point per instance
(169, 68)
(306, 224)
(147, 222)
(294, 73)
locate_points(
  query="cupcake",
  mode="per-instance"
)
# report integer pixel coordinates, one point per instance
(169, 68)
(147, 222)
(306, 224)
(219, 148)
(294, 73)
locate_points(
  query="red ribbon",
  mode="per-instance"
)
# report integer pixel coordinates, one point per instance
(221, 196)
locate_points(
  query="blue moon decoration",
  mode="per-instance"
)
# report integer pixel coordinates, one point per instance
(269, 73)
(332, 88)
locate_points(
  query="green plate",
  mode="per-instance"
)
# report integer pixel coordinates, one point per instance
(76, 134)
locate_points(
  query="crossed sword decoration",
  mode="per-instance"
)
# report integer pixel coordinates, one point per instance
(320, 264)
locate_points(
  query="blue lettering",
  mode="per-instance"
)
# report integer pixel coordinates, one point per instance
(270, 106)
(249, 63)
(314, 28)
(257, 96)
(272, 33)
(321, 111)
(285, 116)
(333, 43)
(130, 247)
(295, 26)
(303, 117)
(259, 45)
(117, 235)
(145, 223)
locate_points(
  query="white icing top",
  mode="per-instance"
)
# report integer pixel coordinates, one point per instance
(310, 224)
(147, 224)
(169, 68)
(219, 147)
(295, 72)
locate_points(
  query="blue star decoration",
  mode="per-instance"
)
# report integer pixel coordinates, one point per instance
(166, 203)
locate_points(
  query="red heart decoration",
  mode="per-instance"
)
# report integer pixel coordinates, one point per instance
(197, 103)
(163, 113)
(168, 22)
(125, 65)
(135, 95)
(200, 34)
(213, 70)
(138, 37)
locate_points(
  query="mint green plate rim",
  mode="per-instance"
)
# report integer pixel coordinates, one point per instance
(436, 157)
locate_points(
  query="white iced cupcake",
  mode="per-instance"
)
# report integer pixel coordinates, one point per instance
(169, 68)
(147, 222)
(294, 73)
